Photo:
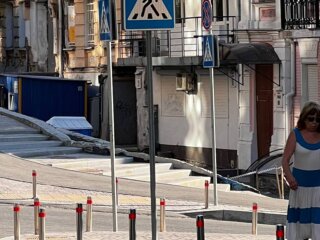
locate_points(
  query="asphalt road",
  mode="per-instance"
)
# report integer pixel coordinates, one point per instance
(64, 220)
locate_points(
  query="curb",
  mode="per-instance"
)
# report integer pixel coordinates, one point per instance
(271, 218)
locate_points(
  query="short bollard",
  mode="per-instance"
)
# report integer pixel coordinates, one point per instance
(89, 215)
(79, 211)
(162, 215)
(206, 194)
(280, 232)
(132, 224)
(254, 218)
(34, 183)
(42, 223)
(36, 216)
(16, 210)
(200, 227)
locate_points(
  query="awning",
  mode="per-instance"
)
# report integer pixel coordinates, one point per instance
(248, 53)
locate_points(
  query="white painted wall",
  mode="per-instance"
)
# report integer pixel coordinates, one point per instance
(184, 119)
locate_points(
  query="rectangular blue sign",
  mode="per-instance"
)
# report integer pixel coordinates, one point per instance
(207, 52)
(149, 14)
(105, 24)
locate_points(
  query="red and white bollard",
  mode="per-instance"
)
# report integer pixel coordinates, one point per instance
(254, 218)
(34, 183)
(280, 232)
(36, 215)
(42, 224)
(206, 194)
(162, 215)
(89, 215)
(200, 227)
(16, 211)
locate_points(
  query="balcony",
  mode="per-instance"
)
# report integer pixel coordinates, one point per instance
(300, 14)
(184, 41)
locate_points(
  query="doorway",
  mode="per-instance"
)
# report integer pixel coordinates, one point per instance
(264, 105)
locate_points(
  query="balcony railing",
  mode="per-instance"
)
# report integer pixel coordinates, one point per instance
(300, 14)
(185, 40)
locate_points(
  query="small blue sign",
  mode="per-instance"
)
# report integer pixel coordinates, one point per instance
(208, 52)
(105, 23)
(149, 14)
(206, 14)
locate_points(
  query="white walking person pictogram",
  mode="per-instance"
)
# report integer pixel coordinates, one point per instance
(104, 26)
(207, 53)
(150, 10)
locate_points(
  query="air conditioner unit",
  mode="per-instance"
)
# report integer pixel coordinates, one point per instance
(181, 82)
(186, 82)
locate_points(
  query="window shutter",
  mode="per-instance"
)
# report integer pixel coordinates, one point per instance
(312, 76)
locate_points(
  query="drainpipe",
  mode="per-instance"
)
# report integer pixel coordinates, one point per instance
(60, 38)
(289, 95)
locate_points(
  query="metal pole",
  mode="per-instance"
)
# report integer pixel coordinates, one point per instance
(214, 160)
(162, 215)
(282, 183)
(132, 224)
(34, 183)
(42, 222)
(60, 16)
(254, 218)
(89, 215)
(117, 190)
(200, 227)
(278, 183)
(36, 216)
(112, 140)
(206, 194)
(151, 139)
(79, 211)
(16, 210)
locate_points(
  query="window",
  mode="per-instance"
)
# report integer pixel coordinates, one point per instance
(22, 35)
(220, 4)
(180, 11)
(9, 25)
(69, 19)
(90, 22)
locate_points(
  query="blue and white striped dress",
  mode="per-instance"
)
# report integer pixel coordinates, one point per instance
(304, 203)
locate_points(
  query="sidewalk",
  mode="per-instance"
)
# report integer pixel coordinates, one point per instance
(146, 236)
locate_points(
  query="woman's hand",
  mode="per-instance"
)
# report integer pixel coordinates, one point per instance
(292, 183)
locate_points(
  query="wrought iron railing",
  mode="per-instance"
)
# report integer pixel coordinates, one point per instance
(184, 40)
(300, 14)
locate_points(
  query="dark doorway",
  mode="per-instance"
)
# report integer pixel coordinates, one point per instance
(125, 112)
(264, 98)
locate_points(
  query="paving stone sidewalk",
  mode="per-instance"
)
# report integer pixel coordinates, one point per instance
(146, 236)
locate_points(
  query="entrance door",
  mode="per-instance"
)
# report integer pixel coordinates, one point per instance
(264, 91)
(125, 112)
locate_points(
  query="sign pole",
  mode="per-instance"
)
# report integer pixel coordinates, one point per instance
(214, 160)
(112, 139)
(151, 138)
(207, 10)
(106, 28)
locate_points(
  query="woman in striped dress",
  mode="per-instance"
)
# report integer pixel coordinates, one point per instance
(303, 146)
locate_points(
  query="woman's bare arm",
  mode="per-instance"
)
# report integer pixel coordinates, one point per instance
(287, 154)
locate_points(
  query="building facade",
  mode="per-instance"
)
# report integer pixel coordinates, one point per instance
(268, 69)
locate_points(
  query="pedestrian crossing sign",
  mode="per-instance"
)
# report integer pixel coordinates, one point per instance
(210, 52)
(149, 14)
(105, 20)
